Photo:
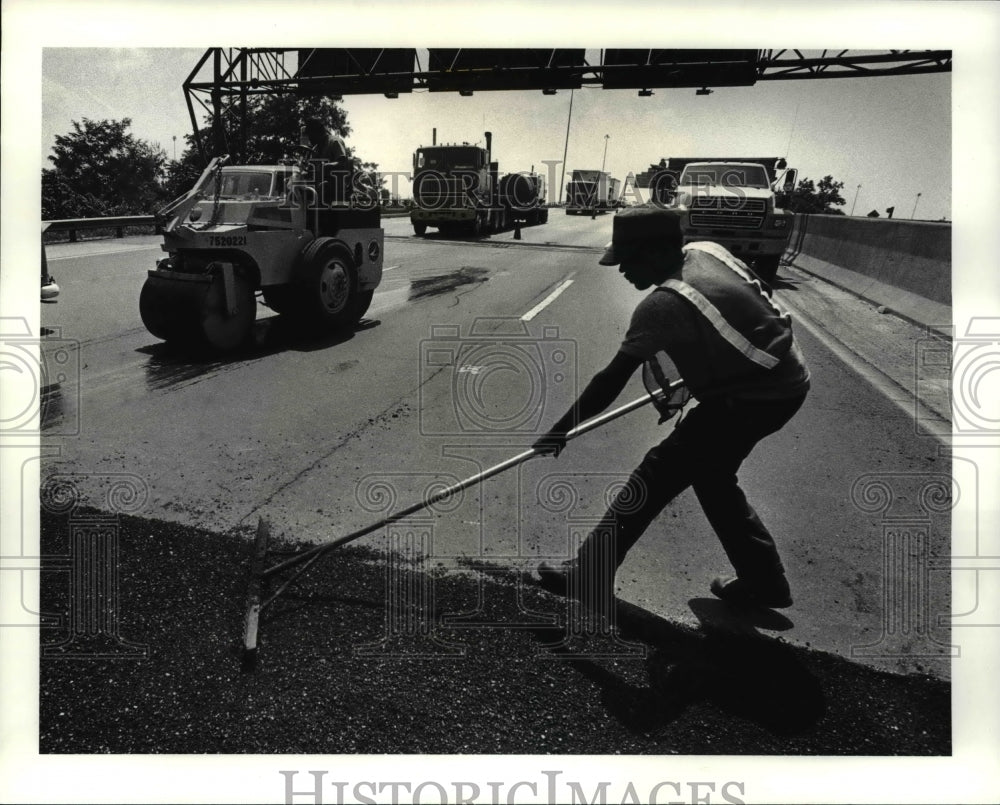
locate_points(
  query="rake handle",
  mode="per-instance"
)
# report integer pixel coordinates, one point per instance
(503, 466)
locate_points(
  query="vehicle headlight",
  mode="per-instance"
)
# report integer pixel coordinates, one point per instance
(780, 223)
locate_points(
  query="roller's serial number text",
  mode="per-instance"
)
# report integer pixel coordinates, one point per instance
(227, 240)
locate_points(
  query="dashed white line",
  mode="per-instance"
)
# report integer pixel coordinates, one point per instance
(547, 300)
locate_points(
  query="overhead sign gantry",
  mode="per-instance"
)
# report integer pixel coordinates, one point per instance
(238, 73)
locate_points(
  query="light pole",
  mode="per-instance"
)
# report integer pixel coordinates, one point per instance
(915, 203)
(175, 148)
(569, 118)
(855, 199)
(605, 158)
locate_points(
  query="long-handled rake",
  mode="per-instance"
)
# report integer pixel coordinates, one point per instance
(302, 561)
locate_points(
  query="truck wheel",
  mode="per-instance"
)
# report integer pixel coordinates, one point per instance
(420, 229)
(327, 295)
(767, 267)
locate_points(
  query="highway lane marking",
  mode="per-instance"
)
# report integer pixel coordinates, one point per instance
(548, 299)
(389, 268)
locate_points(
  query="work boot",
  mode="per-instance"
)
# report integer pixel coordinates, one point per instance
(741, 593)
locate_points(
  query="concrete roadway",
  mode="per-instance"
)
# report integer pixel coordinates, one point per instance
(466, 352)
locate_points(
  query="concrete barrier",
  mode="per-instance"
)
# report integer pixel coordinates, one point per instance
(904, 266)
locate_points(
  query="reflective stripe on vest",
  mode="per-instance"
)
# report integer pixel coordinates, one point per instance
(722, 327)
(731, 262)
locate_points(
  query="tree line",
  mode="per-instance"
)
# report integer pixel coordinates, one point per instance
(100, 169)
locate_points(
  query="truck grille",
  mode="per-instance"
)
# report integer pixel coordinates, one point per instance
(437, 193)
(728, 213)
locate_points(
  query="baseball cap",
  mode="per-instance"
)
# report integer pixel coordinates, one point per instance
(636, 227)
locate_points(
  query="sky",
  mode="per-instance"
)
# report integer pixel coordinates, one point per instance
(890, 135)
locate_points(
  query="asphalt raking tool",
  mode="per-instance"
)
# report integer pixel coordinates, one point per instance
(286, 571)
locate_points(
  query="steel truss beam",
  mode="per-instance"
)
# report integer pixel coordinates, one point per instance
(238, 73)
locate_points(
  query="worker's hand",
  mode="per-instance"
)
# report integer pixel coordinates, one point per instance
(551, 444)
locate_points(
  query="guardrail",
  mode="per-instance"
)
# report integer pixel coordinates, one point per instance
(73, 225)
(118, 223)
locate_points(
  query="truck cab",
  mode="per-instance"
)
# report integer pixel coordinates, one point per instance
(738, 205)
(453, 188)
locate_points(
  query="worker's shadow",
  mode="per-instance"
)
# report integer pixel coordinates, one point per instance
(785, 284)
(726, 664)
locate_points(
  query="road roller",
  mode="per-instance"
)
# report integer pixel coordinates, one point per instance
(245, 233)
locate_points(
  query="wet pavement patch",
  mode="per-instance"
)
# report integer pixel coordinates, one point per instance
(445, 283)
(167, 370)
(172, 367)
(476, 663)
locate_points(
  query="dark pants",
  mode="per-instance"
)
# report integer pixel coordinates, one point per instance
(704, 451)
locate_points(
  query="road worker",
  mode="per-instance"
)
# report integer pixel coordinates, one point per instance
(735, 351)
(333, 162)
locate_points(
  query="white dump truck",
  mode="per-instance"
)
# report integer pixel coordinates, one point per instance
(737, 203)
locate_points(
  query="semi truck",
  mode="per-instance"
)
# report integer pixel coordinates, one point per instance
(458, 188)
(591, 191)
(737, 203)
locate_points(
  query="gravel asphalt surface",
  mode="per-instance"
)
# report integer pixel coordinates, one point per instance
(169, 677)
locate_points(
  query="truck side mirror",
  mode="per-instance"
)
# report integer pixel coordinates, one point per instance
(790, 178)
